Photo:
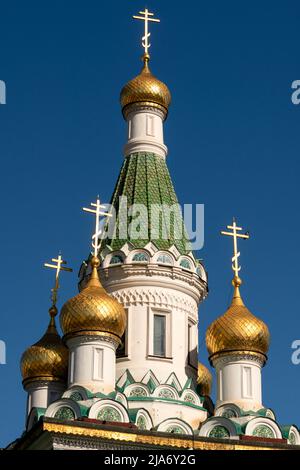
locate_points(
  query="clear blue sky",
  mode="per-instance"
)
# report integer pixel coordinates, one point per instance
(233, 138)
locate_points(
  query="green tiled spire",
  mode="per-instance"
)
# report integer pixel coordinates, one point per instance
(145, 179)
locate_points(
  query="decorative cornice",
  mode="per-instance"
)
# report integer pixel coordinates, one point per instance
(88, 336)
(226, 357)
(155, 297)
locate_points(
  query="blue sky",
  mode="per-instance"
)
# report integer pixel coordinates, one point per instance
(233, 138)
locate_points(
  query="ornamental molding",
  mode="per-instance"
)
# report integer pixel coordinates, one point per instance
(252, 357)
(152, 269)
(156, 298)
(74, 340)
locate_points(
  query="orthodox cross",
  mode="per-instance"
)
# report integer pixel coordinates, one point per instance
(58, 266)
(236, 254)
(146, 17)
(96, 243)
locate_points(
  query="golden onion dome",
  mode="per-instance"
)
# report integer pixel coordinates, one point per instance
(93, 311)
(204, 380)
(238, 331)
(48, 358)
(145, 89)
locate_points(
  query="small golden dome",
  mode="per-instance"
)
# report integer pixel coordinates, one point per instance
(204, 380)
(145, 89)
(48, 358)
(93, 311)
(238, 330)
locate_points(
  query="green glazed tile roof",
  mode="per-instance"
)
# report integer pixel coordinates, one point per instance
(145, 179)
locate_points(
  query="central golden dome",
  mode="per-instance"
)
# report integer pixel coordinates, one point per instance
(48, 358)
(145, 89)
(238, 330)
(93, 311)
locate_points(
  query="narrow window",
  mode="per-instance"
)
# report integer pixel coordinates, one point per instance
(159, 346)
(98, 364)
(150, 125)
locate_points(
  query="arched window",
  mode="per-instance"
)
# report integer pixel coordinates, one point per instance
(140, 257)
(190, 398)
(229, 413)
(116, 259)
(220, 432)
(76, 396)
(164, 259)
(108, 413)
(175, 430)
(167, 393)
(138, 392)
(263, 431)
(65, 413)
(141, 422)
(184, 263)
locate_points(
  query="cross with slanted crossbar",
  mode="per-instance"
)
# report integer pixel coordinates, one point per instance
(236, 254)
(147, 16)
(96, 243)
(58, 266)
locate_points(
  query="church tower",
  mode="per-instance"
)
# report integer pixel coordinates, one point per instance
(151, 269)
(237, 344)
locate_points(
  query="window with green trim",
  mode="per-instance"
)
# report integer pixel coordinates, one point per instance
(263, 431)
(65, 413)
(140, 257)
(116, 259)
(220, 432)
(76, 396)
(109, 413)
(164, 259)
(184, 263)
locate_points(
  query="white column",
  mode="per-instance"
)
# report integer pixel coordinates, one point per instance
(42, 393)
(145, 132)
(92, 363)
(239, 381)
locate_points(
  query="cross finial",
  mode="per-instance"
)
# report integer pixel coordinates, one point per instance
(146, 17)
(96, 243)
(236, 254)
(58, 266)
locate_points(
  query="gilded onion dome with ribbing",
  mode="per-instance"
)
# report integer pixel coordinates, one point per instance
(145, 90)
(93, 311)
(46, 360)
(204, 380)
(238, 331)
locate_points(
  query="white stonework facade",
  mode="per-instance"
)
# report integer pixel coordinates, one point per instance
(145, 131)
(239, 381)
(92, 363)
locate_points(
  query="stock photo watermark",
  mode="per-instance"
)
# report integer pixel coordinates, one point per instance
(2, 92)
(295, 97)
(2, 352)
(159, 221)
(296, 353)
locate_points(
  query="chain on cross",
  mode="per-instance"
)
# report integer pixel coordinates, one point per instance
(236, 254)
(146, 17)
(96, 238)
(58, 266)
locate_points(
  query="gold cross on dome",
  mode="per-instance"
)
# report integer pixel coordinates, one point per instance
(147, 16)
(96, 243)
(58, 266)
(236, 254)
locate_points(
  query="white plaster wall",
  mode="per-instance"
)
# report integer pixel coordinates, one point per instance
(42, 394)
(160, 411)
(92, 363)
(145, 132)
(143, 296)
(239, 382)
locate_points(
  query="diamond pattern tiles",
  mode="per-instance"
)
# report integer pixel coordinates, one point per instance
(145, 179)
